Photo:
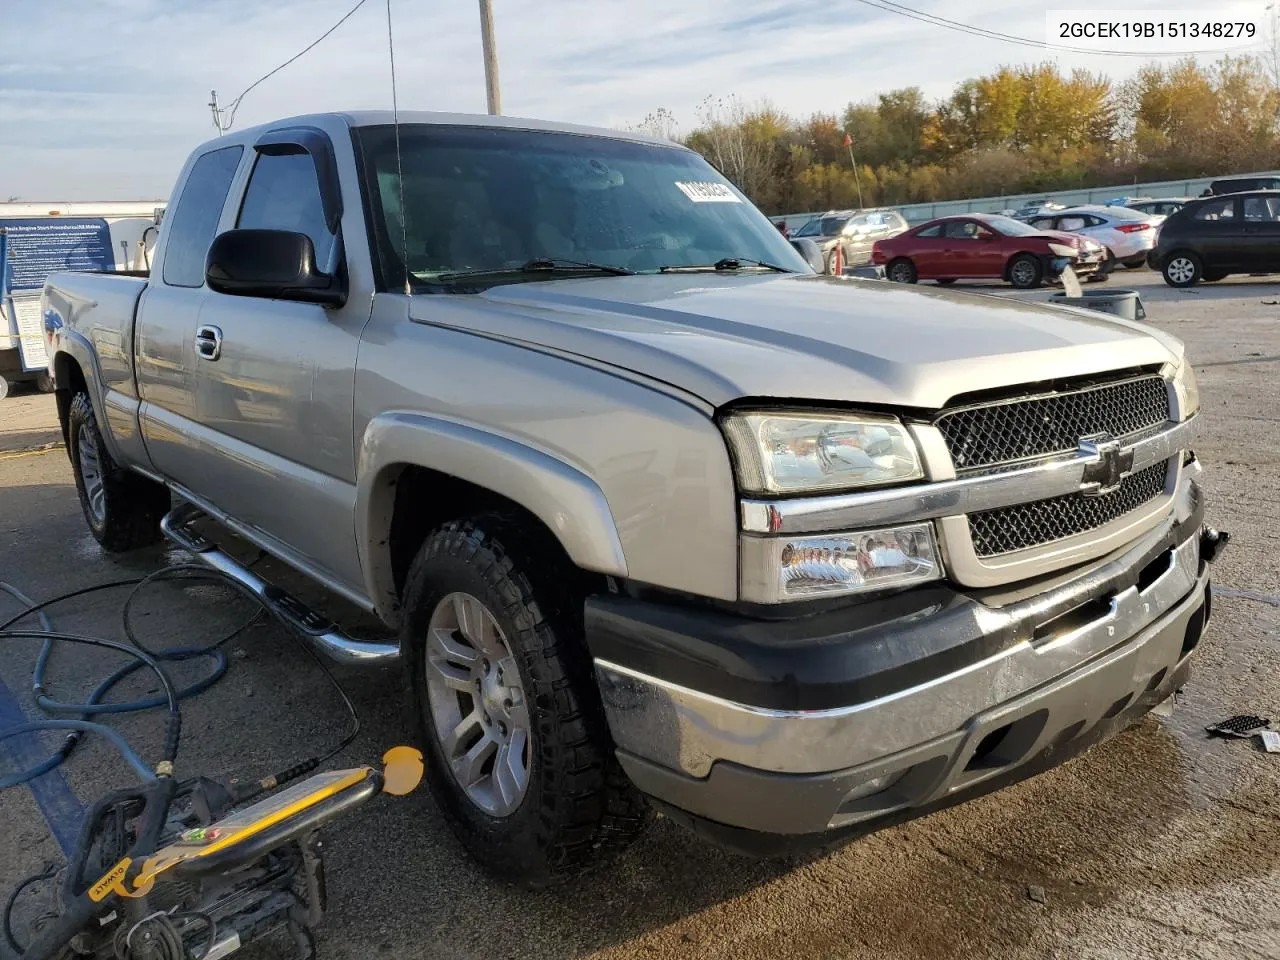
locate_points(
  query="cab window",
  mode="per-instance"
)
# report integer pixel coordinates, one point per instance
(284, 194)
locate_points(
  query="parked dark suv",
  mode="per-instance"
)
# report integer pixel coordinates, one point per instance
(1215, 236)
(1243, 185)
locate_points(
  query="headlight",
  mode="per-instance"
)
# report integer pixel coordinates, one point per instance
(1062, 250)
(806, 453)
(779, 569)
(1188, 391)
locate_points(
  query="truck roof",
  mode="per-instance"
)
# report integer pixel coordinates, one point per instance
(371, 118)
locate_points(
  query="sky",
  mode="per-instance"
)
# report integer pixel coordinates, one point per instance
(103, 99)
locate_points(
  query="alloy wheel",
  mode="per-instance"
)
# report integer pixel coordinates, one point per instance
(1023, 274)
(477, 702)
(95, 490)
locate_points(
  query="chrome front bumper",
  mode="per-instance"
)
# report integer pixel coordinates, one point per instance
(805, 771)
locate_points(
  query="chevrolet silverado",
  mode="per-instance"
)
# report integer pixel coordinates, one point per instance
(659, 517)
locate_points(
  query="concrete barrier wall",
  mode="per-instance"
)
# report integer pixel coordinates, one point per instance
(920, 212)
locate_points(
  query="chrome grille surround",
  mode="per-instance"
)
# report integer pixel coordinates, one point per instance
(1040, 522)
(1030, 427)
(1037, 428)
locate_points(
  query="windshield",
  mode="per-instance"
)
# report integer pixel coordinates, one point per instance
(811, 229)
(492, 199)
(1010, 227)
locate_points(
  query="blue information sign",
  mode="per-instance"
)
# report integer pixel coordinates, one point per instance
(40, 247)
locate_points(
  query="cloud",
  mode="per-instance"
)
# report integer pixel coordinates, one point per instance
(116, 111)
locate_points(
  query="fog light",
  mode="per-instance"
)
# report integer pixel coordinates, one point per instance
(779, 569)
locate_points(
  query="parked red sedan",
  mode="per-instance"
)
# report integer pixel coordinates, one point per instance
(987, 246)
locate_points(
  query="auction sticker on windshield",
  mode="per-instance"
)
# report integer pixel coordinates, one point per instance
(707, 191)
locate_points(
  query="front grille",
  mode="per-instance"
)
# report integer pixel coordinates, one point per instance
(1044, 521)
(1055, 423)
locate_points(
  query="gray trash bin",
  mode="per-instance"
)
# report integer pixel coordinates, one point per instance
(1122, 303)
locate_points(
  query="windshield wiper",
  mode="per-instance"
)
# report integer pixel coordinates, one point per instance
(540, 265)
(723, 264)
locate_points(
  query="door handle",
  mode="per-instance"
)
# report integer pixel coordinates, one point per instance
(208, 342)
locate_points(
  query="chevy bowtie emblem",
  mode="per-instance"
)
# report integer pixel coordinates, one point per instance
(1109, 465)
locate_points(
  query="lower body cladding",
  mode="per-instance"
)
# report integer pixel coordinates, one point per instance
(775, 736)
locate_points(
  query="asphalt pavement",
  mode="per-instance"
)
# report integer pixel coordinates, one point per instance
(1158, 843)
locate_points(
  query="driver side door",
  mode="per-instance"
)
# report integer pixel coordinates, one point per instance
(275, 378)
(970, 251)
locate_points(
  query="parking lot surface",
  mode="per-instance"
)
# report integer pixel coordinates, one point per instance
(1159, 843)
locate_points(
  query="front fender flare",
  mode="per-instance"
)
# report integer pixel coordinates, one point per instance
(566, 500)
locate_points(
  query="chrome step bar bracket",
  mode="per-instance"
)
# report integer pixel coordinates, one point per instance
(318, 630)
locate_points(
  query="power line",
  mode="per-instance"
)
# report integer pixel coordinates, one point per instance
(230, 109)
(913, 14)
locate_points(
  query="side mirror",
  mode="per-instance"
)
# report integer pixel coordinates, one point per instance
(278, 264)
(812, 255)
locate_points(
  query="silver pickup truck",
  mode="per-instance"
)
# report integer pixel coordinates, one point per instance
(660, 517)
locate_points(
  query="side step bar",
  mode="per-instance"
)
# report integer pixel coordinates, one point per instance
(318, 630)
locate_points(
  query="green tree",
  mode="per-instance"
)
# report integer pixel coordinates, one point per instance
(891, 129)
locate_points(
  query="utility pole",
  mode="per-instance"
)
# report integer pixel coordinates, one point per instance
(217, 113)
(490, 58)
(848, 142)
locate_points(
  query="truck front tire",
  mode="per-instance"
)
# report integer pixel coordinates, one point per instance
(518, 750)
(123, 509)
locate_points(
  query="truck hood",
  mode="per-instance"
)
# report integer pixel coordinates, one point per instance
(724, 337)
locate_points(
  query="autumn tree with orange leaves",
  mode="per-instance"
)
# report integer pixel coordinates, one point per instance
(1018, 130)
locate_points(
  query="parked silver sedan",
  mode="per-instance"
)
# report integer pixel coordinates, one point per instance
(1127, 234)
(1161, 206)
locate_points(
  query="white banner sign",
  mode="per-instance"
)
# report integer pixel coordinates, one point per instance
(30, 333)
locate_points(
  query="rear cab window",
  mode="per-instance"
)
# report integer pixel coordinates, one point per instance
(192, 224)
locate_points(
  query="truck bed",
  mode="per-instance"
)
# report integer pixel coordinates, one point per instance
(97, 311)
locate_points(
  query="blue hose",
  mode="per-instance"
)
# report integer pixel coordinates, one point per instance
(130, 755)
(94, 705)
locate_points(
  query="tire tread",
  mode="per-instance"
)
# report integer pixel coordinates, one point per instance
(135, 504)
(586, 807)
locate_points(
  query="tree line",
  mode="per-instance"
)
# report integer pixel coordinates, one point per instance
(1025, 129)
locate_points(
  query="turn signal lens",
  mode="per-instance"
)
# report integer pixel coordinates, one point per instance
(779, 569)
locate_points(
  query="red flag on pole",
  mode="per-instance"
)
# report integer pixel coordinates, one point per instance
(848, 140)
